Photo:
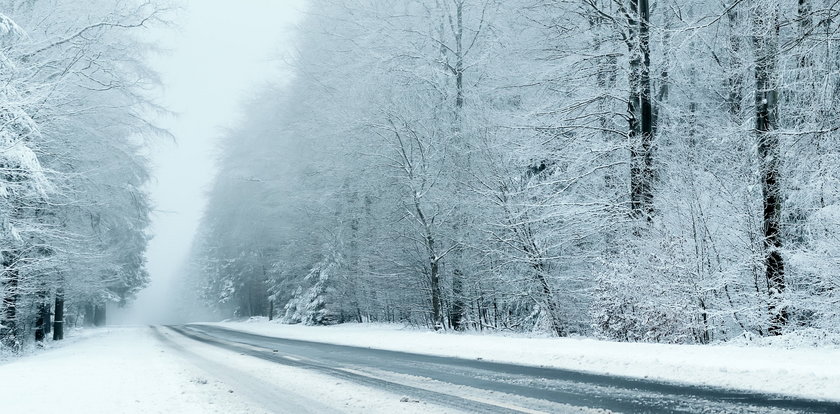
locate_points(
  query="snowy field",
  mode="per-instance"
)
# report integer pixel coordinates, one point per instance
(143, 370)
(805, 371)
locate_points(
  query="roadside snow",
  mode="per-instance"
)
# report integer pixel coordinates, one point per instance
(71, 336)
(805, 372)
(112, 370)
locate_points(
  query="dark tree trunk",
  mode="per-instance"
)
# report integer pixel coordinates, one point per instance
(58, 324)
(735, 80)
(765, 41)
(537, 262)
(459, 57)
(250, 285)
(89, 315)
(42, 324)
(46, 313)
(456, 316)
(434, 265)
(495, 312)
(806, 20)
(10, 330)
(434, 279)
(640, 111)
(99, 316)
(549, 303)
(539, 265)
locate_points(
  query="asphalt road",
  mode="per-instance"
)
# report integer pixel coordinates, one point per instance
(481, 386)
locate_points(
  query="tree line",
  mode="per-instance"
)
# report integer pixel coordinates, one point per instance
(640, 171)
(74, 113)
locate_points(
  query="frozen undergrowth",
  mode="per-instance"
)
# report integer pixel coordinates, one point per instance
(71, 336)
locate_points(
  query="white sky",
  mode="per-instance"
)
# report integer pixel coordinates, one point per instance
(221, 51)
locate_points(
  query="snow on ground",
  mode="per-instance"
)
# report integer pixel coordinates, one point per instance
(112, 370)
(71, 336)
(154, 370)
(808, 372)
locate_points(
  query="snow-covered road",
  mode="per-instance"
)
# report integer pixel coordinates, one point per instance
(789, 368)
(153, 370)
(210, 369)
(479, 386)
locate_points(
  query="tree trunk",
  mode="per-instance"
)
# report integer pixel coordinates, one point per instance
(89, 315)
(42, 324)
(250, 285)
(58, 324)
(539, 265)
(9, 329)
(640, 111)
(765, 41)
(99, 316)
(459, 58)
(434, 265)
(46, 311)
(434, 278)
(735, 79)
(456, 315)
(806, 20)
(549, 305)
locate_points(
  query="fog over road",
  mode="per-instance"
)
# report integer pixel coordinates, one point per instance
(480, 386)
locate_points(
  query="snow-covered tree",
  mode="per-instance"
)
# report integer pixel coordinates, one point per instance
(641, 171)
(74, 107)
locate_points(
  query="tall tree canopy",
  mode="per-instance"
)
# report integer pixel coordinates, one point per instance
(643, 171)
(73, 211)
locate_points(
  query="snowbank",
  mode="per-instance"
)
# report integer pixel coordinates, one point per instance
(71, 336)
(809, 372)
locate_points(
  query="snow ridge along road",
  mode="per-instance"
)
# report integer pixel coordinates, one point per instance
(479, 386)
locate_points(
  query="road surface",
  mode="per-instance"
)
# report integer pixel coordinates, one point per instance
(481, 386)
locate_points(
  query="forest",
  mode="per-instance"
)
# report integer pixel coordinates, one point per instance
(631, 170)
(74, 117)
(634, 170)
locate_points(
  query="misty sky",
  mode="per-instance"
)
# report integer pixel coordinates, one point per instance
(219, 53)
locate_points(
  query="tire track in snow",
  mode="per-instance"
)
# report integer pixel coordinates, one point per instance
(571, 388)
(267, 395)
(465, 403)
